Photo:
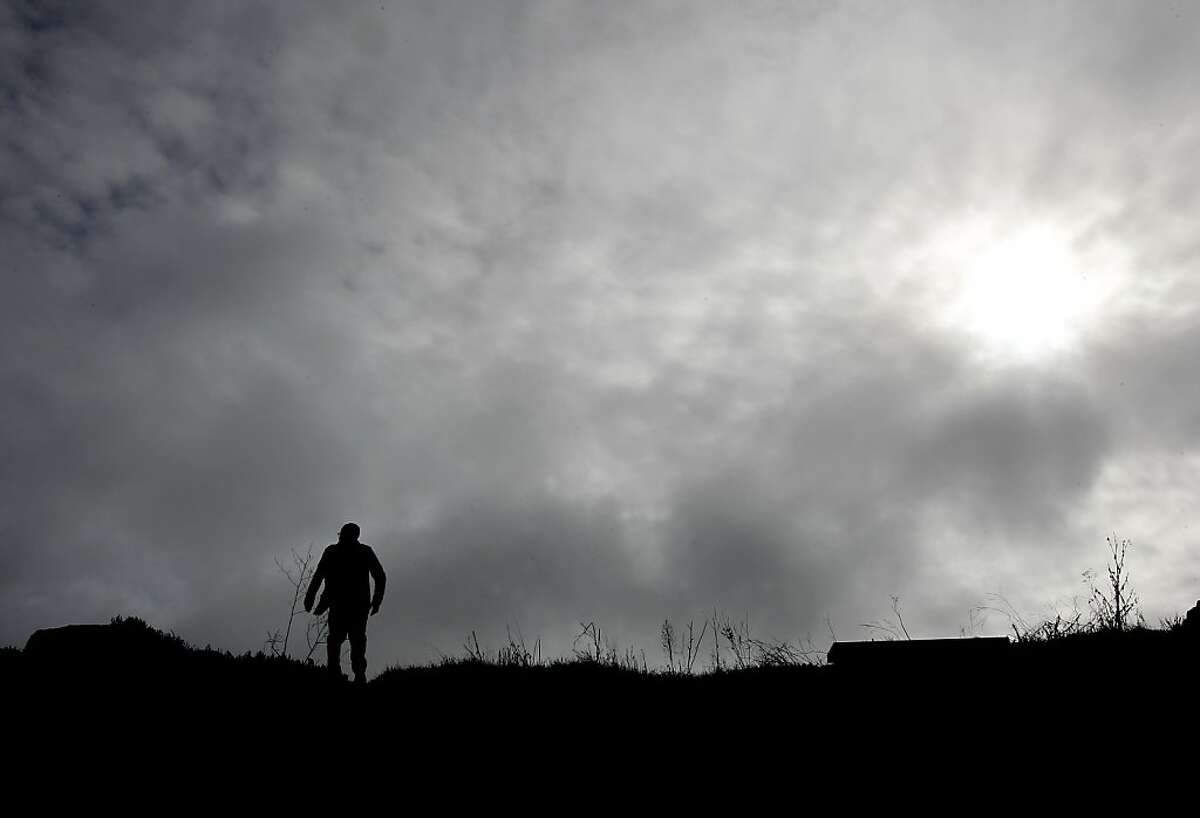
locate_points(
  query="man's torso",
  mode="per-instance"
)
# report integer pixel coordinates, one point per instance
(347, 576)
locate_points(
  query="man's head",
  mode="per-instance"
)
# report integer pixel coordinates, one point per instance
(349, 533)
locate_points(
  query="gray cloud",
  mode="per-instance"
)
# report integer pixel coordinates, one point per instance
(584, 312)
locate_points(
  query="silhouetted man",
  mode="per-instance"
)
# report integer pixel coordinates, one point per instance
(344, 568)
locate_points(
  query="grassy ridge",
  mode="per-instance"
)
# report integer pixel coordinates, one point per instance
(136, 662)
(439, 726)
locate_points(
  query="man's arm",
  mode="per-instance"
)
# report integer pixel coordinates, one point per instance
(314, 584)
(380, 579)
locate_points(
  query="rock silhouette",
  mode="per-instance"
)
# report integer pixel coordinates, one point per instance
(946, 654)
(1192, 622)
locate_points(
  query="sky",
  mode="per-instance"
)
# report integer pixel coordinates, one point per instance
(597, 312)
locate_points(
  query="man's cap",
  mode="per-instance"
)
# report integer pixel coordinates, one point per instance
(350, 530)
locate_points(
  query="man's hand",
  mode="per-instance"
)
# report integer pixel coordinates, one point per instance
(374, 610)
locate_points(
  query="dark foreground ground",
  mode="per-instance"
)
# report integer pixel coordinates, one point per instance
(129, 682)
(125, 717)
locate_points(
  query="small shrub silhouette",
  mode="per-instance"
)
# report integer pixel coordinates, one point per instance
(1115, 605)
(299, 574)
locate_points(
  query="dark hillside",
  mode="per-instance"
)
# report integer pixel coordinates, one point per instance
(131, 673)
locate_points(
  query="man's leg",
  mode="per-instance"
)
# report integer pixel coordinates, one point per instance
(333, 646)
(358, 648)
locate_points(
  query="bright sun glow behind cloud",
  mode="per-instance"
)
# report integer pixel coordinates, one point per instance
(1023, 295)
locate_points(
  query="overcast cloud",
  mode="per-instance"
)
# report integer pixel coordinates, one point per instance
(595, 311)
